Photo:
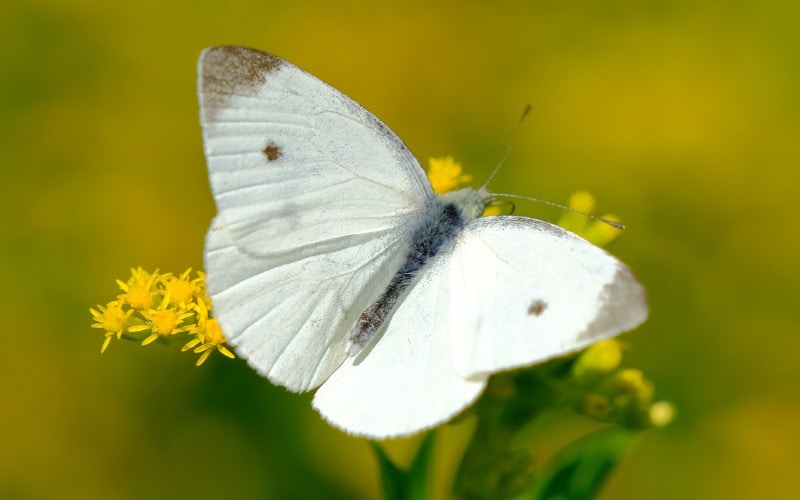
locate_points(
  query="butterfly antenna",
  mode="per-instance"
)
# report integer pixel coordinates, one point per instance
(525, 112)
(611, 223)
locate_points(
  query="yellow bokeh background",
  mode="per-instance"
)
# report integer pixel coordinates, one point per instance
(681, 117)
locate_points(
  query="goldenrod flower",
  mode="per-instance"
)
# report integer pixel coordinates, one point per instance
(164, 321)
(209, 336)
(164, 307)
(113, 319)
(182, 290)
(599, 359)
(446, 174)
(139, 288)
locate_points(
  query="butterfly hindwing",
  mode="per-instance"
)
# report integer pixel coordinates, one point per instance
(404, 381)
(524, 290)
(507, 292)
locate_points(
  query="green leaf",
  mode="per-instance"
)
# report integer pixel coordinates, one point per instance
(580, 469)
(401, 484)
(393, 478)
(419, 472)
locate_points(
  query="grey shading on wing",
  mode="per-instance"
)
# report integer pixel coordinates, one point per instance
(317, 201)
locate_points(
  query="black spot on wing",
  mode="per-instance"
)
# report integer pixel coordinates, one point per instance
(537, 307)
(272, 151)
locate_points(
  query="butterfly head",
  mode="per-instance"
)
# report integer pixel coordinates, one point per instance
(471, 202)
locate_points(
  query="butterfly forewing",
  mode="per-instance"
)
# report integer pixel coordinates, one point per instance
(316, 200)
(523, 291)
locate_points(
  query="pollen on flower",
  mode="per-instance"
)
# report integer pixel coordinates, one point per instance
(446, 174)
(163, 307)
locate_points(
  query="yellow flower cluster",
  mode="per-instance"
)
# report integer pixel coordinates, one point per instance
(609, 393)
(165, 307)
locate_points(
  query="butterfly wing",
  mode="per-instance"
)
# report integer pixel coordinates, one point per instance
(403, 381)
(508, 292)
(316, 203)
(523, 291)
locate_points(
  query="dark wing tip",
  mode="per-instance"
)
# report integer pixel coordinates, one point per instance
(623, 306)
(232, 71)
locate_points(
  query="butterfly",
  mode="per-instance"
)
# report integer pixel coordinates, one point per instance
(331, 263)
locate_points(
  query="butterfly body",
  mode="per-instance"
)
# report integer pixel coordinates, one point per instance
(444, 219)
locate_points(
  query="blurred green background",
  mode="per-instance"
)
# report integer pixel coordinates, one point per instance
(681, 117)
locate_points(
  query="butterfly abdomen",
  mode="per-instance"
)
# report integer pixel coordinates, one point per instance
(445, 220)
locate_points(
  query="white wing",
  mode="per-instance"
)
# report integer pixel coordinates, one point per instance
(523, 291)
(316, 201)
(403, 381)
(510, 291)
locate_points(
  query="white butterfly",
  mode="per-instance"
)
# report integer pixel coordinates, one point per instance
(331, 262)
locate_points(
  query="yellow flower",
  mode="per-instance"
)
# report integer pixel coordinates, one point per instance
(607, 392)
(601, 358)
(139, 289)
(209, 336)
(662, 413)
(212, 339)
(163, 322)
(181, 289)
(446, 174)
(183, 310)
(631, 382)
(113, 319)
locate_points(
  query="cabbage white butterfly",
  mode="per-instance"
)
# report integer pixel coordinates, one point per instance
(332, 264)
